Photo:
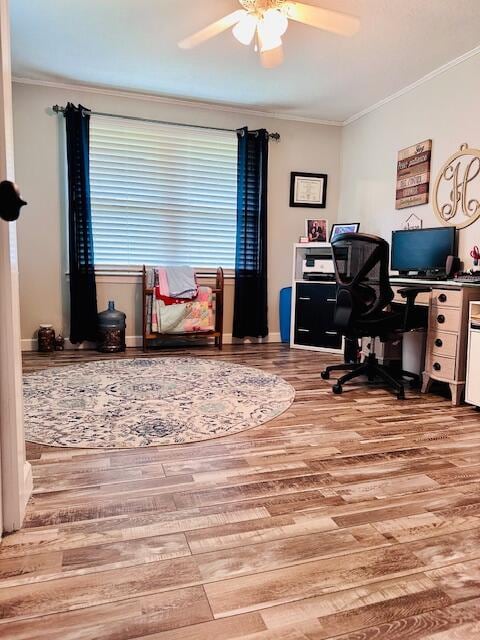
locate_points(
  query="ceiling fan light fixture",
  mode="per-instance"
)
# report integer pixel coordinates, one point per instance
(264, 22)
(244, 31)
(268, 39)
(275, 21)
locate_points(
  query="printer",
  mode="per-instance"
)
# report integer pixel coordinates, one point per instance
(319, 265)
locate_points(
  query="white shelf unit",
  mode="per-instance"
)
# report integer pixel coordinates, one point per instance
(313, 304)
(472, 387)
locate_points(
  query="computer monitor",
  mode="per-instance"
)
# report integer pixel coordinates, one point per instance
(423, 250)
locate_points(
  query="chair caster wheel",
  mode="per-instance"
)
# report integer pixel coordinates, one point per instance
(401, 395)
(337, 389)
(325, 375)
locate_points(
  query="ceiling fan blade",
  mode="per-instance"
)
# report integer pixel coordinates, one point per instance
(272, 58)
(212, 30)
(334, 21)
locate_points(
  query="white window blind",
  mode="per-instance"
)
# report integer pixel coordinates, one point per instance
(162, 194)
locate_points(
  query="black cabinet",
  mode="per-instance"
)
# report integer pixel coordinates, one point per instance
(314, 307)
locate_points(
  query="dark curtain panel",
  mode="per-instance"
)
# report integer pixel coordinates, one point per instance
(83, 292)
(250, 318)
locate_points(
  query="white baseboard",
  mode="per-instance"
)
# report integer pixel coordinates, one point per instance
(30, 344)
(272, 337)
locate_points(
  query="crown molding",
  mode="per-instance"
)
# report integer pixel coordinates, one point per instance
(211, 106)
(414, 85)
(135, 95)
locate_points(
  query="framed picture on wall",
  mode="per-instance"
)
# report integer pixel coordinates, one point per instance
(348, 227)
(316, 230)
(308, 190)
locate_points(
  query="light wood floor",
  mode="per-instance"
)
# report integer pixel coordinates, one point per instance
(350, 517)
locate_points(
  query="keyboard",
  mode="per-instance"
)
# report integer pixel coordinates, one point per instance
(410, 276)
(472, 277)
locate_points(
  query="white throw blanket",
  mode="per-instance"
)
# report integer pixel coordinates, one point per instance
(181, 282)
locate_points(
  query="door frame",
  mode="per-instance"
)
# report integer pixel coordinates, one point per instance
(15, 471)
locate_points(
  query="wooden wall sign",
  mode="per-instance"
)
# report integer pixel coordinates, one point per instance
(413, 175)
(456, 199)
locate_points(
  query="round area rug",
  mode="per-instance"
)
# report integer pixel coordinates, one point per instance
(148, 402)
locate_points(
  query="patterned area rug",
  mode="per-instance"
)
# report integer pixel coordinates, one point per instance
(147, 402)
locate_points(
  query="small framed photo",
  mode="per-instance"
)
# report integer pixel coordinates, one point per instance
(348, 227)
(316, 230)
(308, 190)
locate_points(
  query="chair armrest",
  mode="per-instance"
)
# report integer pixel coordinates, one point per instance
(412, 292)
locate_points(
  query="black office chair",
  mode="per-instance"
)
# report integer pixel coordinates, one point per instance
(364, 306)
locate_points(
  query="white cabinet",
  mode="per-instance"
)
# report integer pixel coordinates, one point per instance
(472, 390)
(313, 301)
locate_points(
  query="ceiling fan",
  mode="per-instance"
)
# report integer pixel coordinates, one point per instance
(265, 22)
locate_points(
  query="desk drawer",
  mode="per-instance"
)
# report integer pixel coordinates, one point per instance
(329, 339)
(305, 336)
(442, 367)
(444, 319)
(446, 298)
(422, 298)
(316, 292)
(314, 310)
(442, 344)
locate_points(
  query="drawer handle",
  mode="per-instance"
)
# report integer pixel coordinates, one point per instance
(441, 319)
(331, 299)
(305, 299)
(437, 366)
(442, 297)
(331, 333)
(304, 331)
(438, 342)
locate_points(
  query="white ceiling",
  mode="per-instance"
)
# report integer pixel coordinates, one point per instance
(131, 45)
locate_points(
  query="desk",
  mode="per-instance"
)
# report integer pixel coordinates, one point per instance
(446, 354)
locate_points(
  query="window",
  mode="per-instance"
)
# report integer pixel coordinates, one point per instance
(162, 194)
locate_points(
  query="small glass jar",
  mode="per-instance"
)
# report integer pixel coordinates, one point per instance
(46, 338)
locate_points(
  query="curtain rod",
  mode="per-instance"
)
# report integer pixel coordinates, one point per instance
(274, 136)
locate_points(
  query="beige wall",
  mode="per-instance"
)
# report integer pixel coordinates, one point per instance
(445, 109)
(40, 170)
